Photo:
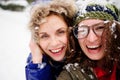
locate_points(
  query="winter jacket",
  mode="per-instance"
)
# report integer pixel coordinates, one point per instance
(44, 71)
(75, 72)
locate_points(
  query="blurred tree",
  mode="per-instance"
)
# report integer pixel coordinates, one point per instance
(30, 1)
(4, 4)
(12, 7)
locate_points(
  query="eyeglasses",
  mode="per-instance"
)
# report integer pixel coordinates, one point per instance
(82, 31)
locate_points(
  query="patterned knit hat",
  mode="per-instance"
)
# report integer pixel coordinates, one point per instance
(96, 9)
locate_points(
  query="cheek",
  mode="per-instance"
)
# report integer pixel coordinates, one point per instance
(103, 38)
(82, 45)
(43, 44)
(81, 42)
(64, 39)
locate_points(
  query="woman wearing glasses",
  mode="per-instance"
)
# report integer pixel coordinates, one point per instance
(97, 31)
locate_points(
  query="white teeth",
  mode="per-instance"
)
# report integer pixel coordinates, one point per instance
(55, 51)
(93, 46)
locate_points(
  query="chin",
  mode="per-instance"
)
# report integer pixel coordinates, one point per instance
(58, 59)
(95, 58)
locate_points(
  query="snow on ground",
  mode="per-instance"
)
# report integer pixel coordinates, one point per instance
(14, 40)
(14, 44)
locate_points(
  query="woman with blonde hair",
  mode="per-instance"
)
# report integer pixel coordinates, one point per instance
(49, 25)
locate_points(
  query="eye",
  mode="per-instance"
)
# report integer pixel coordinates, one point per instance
(43, 36)
(61, 31)
(82, 30)
(100, 27)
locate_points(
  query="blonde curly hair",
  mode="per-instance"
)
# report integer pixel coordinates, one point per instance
(40, 11)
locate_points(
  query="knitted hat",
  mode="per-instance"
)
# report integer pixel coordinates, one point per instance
(95, 9)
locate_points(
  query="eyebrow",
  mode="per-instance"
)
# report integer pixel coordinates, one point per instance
(42, 33)
(61, 28)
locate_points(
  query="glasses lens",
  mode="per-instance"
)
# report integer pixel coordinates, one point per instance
(98, 29)
(81, 31)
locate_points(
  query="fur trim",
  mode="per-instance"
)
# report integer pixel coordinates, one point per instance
(40, 10)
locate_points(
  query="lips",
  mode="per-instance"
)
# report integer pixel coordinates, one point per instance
(58, 50)
(94, 49)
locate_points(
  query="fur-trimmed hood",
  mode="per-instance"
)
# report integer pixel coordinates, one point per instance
(41, 10)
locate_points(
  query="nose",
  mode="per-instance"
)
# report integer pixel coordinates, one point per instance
(92, 37)
(54, 41)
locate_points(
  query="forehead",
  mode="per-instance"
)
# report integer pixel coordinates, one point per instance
(90, 22)
(52, 22)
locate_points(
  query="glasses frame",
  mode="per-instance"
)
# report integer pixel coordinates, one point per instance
(75, 29)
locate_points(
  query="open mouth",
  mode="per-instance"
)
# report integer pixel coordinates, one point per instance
(93, 47)
(58, 50)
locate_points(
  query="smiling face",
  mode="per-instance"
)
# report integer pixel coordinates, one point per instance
(53, 37)
(92, 45)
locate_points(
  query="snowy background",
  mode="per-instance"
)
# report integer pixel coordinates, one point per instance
(14, 44)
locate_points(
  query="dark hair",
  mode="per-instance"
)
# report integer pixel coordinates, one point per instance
(112, 51)
(113, 43)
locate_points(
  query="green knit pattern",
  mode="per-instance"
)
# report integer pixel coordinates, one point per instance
(94, 15)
